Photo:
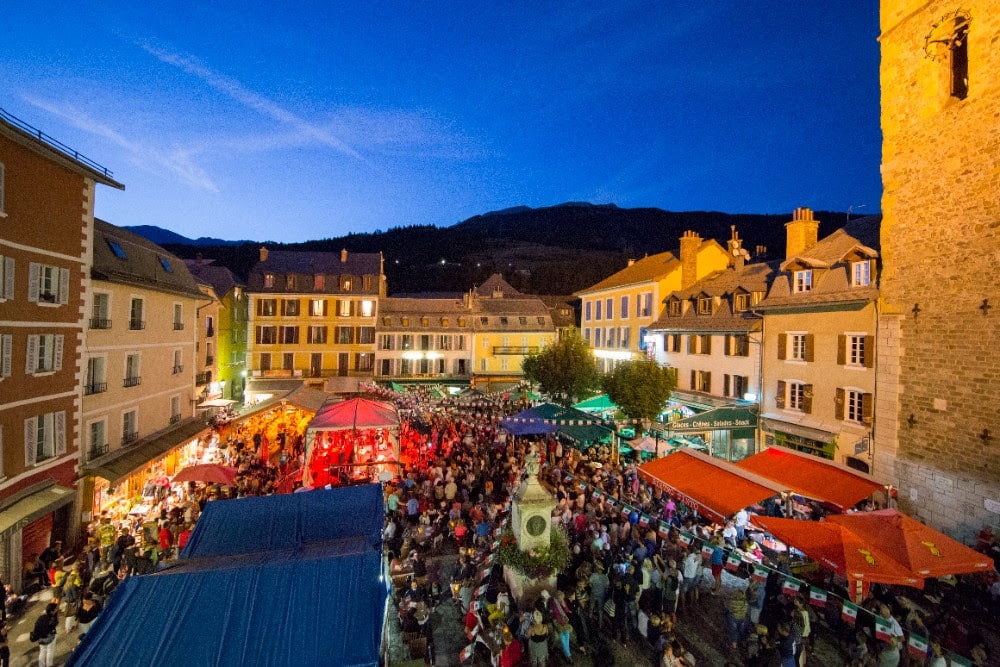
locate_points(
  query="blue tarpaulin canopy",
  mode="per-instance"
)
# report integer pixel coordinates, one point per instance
(265, 584)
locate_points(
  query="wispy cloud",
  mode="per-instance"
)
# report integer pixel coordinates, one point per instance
(177, 160)
(237, 91)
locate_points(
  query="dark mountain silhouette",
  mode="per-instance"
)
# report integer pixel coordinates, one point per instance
(162, 236)
(552, 250)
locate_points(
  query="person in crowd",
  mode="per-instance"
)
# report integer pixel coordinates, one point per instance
(87, 612)
(44, 633)
(538, 641)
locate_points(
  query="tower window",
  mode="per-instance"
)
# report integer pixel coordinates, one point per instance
(959, 59)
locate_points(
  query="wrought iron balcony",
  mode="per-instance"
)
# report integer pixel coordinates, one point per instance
(133, 381)
(96, 451)
(515, 349)
(175, 418)
(202, 378)
(178, 369)
(178, 326)
(136, 325)
(129, 438)
(95, 388)
(100, 323)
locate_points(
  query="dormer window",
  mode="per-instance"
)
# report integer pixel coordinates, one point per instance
(268, 280)
(345, 283)
(705, 305)
(803, 281)
(861, 273)
(675, 308)
(290, 282)
(319, 282)
(741, 302)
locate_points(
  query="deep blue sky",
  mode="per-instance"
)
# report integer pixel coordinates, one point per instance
(291, 124)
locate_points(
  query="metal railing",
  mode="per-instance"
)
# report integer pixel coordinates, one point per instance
(96, 451)
(178, 326)
(129, 438)
(515, 349)
(100, 323)
(136, 325)
(54, 143)
(95, 388)
(175, 418)
(178, 369)
(132, 381)
(202, 378)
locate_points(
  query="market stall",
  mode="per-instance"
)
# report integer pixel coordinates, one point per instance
(349, 441)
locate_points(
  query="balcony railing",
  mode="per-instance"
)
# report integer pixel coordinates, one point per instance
(136, 325)
(96, 451)
(129, 437)
(209, 361)
(54, 143)
(133, 381)
(95, 388)
(515, 349)
(178, 326)
(100, 323)
(175, 418)
(47, 297)
(202, 378)
(178, 369)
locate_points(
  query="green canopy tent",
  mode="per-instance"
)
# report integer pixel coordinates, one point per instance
(599, 404)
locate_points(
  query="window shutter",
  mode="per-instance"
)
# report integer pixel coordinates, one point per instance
(782, 345)
(31, 363)
(867, 407)
(780, 396)
(841, 350)
(725, 384)
(6, 343)
(34, 280)
(807, 399)
(30, 446)
(869, 351)
(708, 345)
(8, 278)
(60, 432)
(726, 343)
(810, 347)
(57, 353)
(324, 307)
(708, 383)
(693, 386)
(63, 286)
(691, 344)
(838, 404)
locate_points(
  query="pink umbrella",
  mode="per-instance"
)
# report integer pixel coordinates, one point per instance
(207, 472)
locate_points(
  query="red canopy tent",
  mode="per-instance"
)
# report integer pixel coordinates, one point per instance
(921, 549)
(347, 435)
(811, 476)
(712, 485)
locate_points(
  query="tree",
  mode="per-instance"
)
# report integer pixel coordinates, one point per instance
(640, 388)
(564, 370)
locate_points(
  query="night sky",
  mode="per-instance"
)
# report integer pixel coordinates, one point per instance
(291, 124)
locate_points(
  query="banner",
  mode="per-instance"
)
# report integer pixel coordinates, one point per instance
(817, 597)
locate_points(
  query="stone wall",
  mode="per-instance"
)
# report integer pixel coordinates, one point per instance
(941, 252)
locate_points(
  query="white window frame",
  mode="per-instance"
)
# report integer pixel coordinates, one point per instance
(134, 412)
(129, 366)
(6, 348)
(854, 411)
(797, 346)
(44, 437)
(795, 393)
(55, 277)
(802, 281)
(103, 424)
(99, 364)
(855, 352)
(317, 307)
(367, 308)
(741, 302)
(178, 362)
(44, 354)
(861, 273)
(344, 308)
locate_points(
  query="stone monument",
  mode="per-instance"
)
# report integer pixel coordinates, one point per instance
(531, 523)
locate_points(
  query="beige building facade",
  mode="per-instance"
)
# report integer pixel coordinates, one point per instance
(938, 430)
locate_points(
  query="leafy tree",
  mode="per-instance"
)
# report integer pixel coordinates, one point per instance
(640, 388)
(564, 370)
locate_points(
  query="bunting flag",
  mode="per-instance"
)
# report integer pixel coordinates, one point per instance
(733, 562)
(596, 495)
(883, 628)
(626, 511)
(612, 501)
(581, 486)
(917, 646)
(706, 551)
(759, 574)
(817, 597)
(790, 587)
(664, 530)
(685, 539)
(466, 653)
(849, 613)
(644, 520)
(568, 477)
(959, 661)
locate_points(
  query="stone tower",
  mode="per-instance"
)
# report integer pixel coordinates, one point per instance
(937, 430)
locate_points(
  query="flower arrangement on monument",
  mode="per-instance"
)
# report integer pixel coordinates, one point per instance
(538, 562)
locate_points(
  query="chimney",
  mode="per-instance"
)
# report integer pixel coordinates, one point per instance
(690, 242)
(263, 254)
(801, 233)
(343, 256)
(736, 249)
(631, 261)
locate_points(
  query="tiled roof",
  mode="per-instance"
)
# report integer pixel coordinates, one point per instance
(505, 306)
(144, 264)
(647, 269)
(306, 262)
(207, 271)
(751, 278)
(412, 306)
(721, 285)
(832, 275)
(496, 282)
(557, 304)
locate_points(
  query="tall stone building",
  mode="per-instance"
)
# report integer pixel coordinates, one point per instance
(937, 423)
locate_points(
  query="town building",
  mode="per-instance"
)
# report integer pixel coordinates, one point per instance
(507, 326)
(312, 317)
(424, 340)
(819, 350)
(617, 311)
(140, 357)
(207, 385)
(230, 325)
(711, 334)
(937, 429)
(46, 232)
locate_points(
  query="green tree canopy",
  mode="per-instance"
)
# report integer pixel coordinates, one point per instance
(565, 370)
(640, 388)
